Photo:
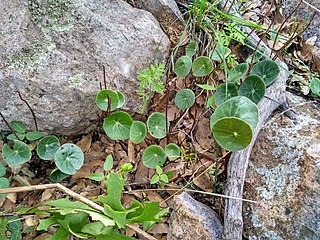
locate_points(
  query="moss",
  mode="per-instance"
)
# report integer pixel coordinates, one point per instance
(56, 15)
(32, 55)
(76, 80)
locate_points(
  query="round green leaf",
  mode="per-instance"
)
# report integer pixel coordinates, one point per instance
(232, 133)
(97, 176)
(57, 176)
(225, 92)
(138, 131)
(117, 125)
(240, 107)
(18, 126)
(121, 99)
(34, 135)
(20, 153)
(253, 88)
(4, 183)
(183, 66)
(184, 99)
(102, 99)
(153, 155)
(2, 170)
(268, 70)
(156, 124)
(202, 66)
(69, 158)
(47, 147)
(172, 151)
(108, 163)
(191, 48)
(238, 72)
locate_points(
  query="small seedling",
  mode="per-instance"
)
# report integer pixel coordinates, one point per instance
(161, 177)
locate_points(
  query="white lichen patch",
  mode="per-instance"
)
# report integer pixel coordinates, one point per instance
(76, 80)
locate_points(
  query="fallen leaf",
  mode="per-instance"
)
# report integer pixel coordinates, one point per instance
(85, 143)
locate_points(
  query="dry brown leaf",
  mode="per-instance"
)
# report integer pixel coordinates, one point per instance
(131, 152)
(160, 228)
(12, 197)
(155, 197)
(31, 221)
(85, 143)
(47, 194)
(203, 135)
(204, 182)
(43, 236)
(87, 168)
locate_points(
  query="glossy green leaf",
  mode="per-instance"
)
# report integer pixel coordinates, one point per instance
(138, 131)
(127, 167)
(182, 66)
(95, 228)
(210, 101)
(202, 66)
(4, 183)
(184, 99)
(18, 126)
(232, 133)
(268, 70)
(102, 99)
(47, 147)
(120, 217)
(2, 170)
(172, 151)
(117, 125)
(225, 92)
(153, 155)
(315, 85)
(240, 107)
(156, 125)
(159, 170)
(238, 72)
(69, 158)
(20, 153)
(57, 176)
(191, 49)
(108, 163)
(34, 135)
(150, 213)
(155, 179)
(12, 136)
(121, 99)
(164, 178)
(44, 224)
(253, 88)
(15, 223)
(97, 176)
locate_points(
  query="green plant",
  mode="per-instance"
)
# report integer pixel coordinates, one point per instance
(161, 177)
(184, 99)
(153, 156)
(150, 81)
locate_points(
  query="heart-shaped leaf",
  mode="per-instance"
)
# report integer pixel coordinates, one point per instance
(102, 99)
(47, 147)
(172, 151)
(202, 66)
(69, 158)
(184, 99)
(225, 92)
(20, 153)
(117, 125)
(18, 126)
(57, 176)
(156, 124)
(253, 88)
(153, 155)
(34, 135)
(183, 66)
(238, 72)
(232, 133)
(239, 107)
(267, 69)
(191, 49)
(138, 131)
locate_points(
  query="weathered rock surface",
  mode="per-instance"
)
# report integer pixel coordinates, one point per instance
(284, 176)
(167, 13)
(191, 219)
(303, 13)
(53, 51)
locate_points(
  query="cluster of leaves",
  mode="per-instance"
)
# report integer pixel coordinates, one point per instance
(84, 222)
(12, 225)
(68, 157)
(150, 81)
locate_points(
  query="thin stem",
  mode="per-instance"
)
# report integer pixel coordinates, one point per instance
(32, 112)
(8, 125)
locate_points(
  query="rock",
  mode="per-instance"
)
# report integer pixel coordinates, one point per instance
(53, 51)
(284, 176)
(191, 219)
(304, 12)
(167, 13)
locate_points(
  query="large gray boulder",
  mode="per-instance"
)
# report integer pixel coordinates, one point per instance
(52, 51)
(284, 176)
